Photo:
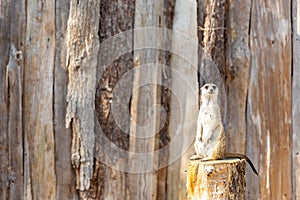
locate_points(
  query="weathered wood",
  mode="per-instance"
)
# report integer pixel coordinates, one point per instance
(15, 89)
(164, 137)
(5, 6)
(237, 74)
(213, 30)
(220, 179)
(65, 177)
(15, 135)
(295, 100)
(82, 50)
(38, 99)
(184, 98)
(269, 100)
(146, 92)
(18, 151)
(110, 183)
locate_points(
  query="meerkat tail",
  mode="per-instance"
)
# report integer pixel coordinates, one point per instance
(242, 156)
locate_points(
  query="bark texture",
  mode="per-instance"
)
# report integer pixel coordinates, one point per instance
(82, 51)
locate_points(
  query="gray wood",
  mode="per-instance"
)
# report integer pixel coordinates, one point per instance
(15, 136)
(4, 57)
(237, 72)
(184, 97)
(65, 176)
(38, 99)
(82, 50)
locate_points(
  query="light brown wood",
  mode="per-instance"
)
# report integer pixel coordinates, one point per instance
(295, 101)
(144, 184)
(213, 180)
(37, 102)
(269, 100)
(184, 101)
(256, 39)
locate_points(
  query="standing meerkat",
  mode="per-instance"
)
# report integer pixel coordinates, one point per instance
(210, 141)
(210, 136)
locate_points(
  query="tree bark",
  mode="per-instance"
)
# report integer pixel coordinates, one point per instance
(82, 50)
(116, 20)
(213, 32)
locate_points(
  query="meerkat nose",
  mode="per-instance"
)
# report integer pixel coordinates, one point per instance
(211, 90)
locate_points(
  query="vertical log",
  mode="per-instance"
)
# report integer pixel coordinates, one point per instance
(4, 56)
(15, 133)
(269, 100)
(164, 136)
(295, 100)
(15, 91)
(116, 17)
(213, 34)
(82, 50)
(65, 184)
(184, 99)
(38, 99)
(145, 116)
(237, 74)
(219, 179)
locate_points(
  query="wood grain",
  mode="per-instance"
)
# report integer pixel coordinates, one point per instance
(145, 116)
(295, 100)
(269, 100)
(237, 74)
(15, 128)
(184, 98)
(65, 176)
(116, 17)
(38, 99)
(220, 179)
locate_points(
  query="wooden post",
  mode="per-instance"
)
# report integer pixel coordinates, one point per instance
(218, 179)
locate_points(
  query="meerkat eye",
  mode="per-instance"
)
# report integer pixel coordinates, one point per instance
(214, 87)
(206, 87)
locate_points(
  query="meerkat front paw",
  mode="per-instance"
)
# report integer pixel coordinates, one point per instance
(195, 157)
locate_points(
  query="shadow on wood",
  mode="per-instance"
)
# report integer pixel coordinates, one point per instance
(218, 179)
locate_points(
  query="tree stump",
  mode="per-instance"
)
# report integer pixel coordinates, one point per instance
(218, 179)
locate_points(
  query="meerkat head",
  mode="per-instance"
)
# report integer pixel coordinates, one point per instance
(209, 90)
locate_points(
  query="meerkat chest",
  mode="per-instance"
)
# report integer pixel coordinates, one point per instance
(210, 119)
(209, 116)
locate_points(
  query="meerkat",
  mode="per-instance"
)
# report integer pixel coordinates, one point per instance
(210, 141)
